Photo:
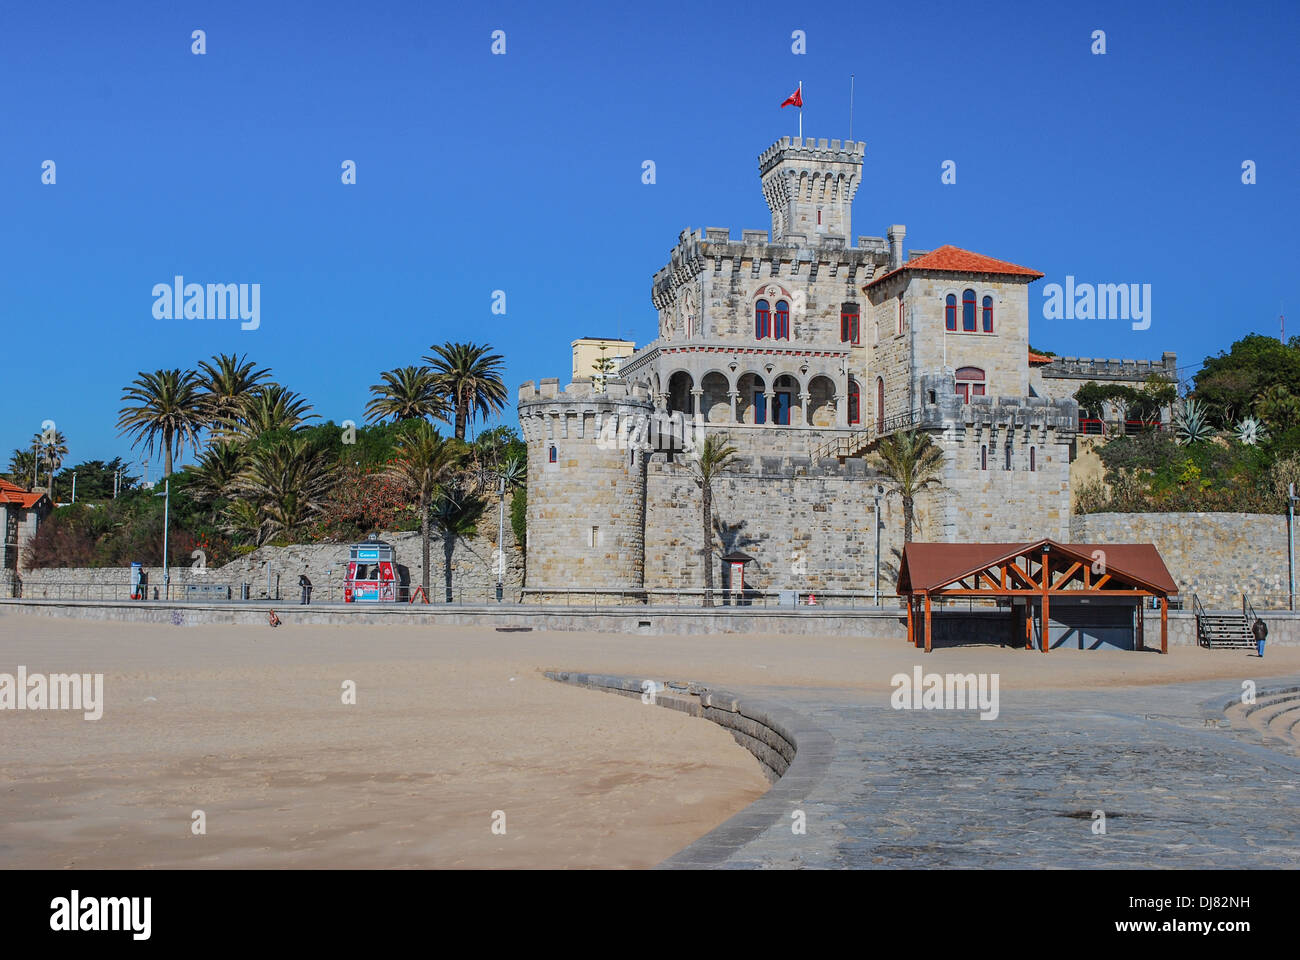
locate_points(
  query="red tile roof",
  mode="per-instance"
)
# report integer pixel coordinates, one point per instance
(12, 493)
(1039, 357)
(950, 259)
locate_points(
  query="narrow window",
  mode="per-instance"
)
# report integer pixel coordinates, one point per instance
(594, 537)
(968, 311)
(762, 320)
(950, 313)
(880, 404)
(984, 457)
(1033, 466)
(553, 454)
(782, 325)
(988, 314)
(849, 323)
(1007, 464)
(900, 313)
(855, 402)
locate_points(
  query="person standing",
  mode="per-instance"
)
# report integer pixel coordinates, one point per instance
(1260, 631)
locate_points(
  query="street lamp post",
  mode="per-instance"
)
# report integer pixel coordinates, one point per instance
(1291, 499)
(167, 504)
(501, 534)
(880, 490)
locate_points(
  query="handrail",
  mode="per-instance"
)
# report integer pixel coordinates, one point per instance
(1199, 610)
(1252, 616)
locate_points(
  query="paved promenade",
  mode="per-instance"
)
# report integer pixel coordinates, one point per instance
(894, 788)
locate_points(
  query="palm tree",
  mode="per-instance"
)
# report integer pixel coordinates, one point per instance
(50, 449)
(710, 460)
(912, 460)
(407, 393)
(288, 481)
(166, 409)
(424, 465)
(22, 467)
(216, 472)
(271, 407)
(225, 382)
(470, 378)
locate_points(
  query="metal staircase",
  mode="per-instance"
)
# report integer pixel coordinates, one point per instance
(1220, 629)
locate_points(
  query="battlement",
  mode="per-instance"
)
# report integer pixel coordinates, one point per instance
(816, 151)
(1088, 368)
(581, 389)
(941, 408)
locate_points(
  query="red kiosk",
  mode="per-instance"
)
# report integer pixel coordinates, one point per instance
(372, 573)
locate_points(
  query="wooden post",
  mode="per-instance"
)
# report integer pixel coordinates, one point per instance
(1029, 623)
(1164, 624)
(927, 622)
(1046, 573)
(1141, 623)
(911, 634)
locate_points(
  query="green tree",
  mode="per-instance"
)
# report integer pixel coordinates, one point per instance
(164, 408)
(269, 408)
(710, 460)
(913, 462)
(407, 393)
(1229, 382)
(225, 383)
(95, 479)
(424, 466)
(468, 375)
(22, 468)
(51, 448)
(288, 482)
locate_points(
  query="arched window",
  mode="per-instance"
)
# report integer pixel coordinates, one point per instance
(984, 457)
(988, 314)
(950, 313)
(781, 328)
(900, 313)
(762, 321)
(1007, 464)
(970, 383)
(855, 402)
(554, 453)
(968, 311)
(880, 404)
(1032, 464)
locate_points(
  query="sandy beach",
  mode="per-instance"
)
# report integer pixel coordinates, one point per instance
(450, 725)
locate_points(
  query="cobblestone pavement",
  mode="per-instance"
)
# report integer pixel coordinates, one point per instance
(943, 788)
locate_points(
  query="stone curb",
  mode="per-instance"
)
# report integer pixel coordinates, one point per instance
(795, 755)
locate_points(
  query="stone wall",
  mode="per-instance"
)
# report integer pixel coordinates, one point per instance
(325, 564)
(1217, 556)
(807, 526)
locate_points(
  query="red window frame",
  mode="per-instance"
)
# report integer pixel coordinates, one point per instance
(849, 323)
(762, 320)
(553, 454)
(968, 311)
(986, 314)
(950, 313)
(970, 383)
(781, 322)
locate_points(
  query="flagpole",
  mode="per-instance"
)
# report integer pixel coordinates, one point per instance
(800, 109)
(850, 108)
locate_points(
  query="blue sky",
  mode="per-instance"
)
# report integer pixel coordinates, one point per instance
(522, 172)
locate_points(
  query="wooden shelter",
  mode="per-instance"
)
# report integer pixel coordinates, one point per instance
(1027, 576)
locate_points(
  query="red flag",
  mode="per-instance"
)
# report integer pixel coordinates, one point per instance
(795, 98)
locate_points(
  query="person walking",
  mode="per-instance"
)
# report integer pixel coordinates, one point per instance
(1260, 631)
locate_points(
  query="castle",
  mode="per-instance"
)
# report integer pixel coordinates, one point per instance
(805, 350)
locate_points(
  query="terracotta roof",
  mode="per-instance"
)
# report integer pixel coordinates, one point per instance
(950, 259)
(1039, 357)
(12, 493)
(930, 566)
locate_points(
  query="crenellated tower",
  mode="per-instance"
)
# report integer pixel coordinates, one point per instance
(809, 185)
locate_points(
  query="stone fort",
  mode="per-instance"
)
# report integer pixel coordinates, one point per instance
(805, 349)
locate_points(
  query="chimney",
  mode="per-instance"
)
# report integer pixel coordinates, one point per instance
(896, 234)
